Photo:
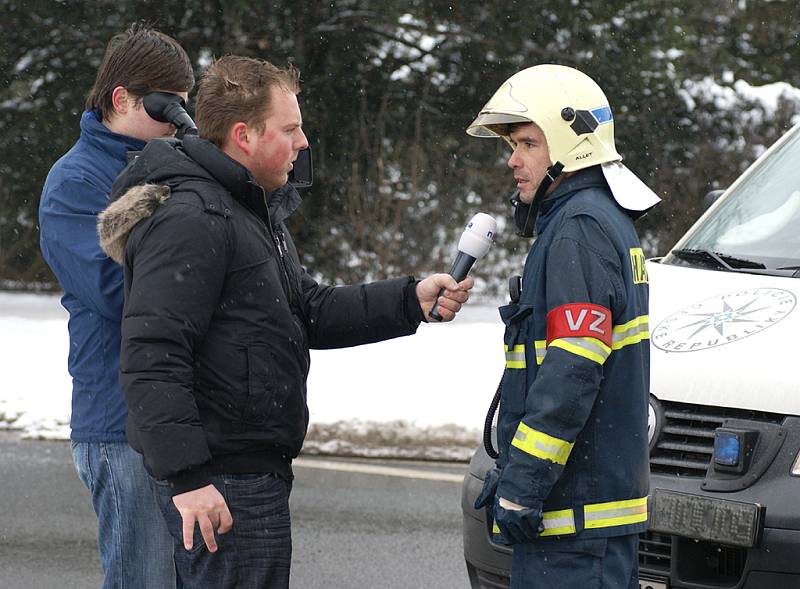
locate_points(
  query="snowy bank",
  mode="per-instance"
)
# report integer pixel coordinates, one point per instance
(421, 397)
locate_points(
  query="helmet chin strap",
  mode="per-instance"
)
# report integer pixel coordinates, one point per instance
(525, 226)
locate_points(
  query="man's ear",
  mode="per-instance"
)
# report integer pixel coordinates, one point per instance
(119, 100)
(239, 137)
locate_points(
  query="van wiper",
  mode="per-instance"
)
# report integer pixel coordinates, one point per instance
(724, 261)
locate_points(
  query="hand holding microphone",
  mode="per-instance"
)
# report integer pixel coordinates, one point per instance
(473, 245)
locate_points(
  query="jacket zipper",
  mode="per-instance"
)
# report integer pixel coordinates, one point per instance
(283, 249)
(280, 241)
(280, 245)
(279, 238)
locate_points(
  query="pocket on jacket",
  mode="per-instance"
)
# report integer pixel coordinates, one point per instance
(260, 388)
(514, 317)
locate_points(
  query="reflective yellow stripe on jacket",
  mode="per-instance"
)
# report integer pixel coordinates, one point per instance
(541, 445)
(595, 516)
(631, 332)
(541, 350)
(627, 334)
(556, 523)
(587, 347)
(515, 358)
(615, 513)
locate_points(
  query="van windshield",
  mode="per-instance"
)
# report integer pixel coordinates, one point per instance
(758, 223)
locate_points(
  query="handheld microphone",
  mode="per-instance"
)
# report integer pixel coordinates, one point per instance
(475, 242)
(169, 108)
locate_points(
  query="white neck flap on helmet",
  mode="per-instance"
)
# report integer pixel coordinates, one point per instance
(573, 113)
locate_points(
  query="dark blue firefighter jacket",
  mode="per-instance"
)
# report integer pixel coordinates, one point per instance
(572, 427)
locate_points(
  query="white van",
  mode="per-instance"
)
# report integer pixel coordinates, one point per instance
(725, 398)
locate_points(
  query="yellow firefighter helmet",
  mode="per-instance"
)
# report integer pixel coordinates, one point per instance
(566, 104)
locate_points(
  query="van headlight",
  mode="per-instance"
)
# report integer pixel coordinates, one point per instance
(796, 466)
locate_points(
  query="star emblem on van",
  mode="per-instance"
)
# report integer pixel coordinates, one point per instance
(722, 319)
(728, 315)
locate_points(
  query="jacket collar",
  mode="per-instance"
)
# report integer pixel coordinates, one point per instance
(237, 180)
(104, 139)
(569, 185)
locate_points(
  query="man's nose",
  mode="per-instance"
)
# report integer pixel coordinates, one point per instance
(302, 141)
(513, 160)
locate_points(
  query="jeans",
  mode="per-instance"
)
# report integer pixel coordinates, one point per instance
(255, 554)
(135, 547)
(573, 563)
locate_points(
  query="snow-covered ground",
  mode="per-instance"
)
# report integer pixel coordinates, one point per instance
(423, 396)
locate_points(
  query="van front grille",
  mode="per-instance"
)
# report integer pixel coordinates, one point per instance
(686, 441)
(655, 552)
(705, 563)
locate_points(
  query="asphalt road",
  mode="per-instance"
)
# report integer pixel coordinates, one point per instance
(381, 528)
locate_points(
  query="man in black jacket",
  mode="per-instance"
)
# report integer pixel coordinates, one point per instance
(219, 317)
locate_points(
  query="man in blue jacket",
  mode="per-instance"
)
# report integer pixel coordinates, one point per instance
(135, 547)
(569, 490)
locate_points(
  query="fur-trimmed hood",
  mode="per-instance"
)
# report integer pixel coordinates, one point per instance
(115, 223)
(164, 165)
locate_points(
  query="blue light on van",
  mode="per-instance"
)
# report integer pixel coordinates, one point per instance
(727, 448)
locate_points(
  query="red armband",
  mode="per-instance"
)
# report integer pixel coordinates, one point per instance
(579, 320)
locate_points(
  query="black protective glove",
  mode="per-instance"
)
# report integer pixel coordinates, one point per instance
(490, 481)
(518, 525)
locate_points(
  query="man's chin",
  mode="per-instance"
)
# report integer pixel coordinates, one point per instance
(526, 197)
(274, 183)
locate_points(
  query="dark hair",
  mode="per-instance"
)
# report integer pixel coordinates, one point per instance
(235, 89)
(140, 60)
(506, 129)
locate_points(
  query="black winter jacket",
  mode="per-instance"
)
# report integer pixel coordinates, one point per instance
(219, 315)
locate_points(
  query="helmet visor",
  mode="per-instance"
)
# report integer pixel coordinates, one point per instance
(483, 123)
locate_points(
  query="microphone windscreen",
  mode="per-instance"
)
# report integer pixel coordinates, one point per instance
(478, 235)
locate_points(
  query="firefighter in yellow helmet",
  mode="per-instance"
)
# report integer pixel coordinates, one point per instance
(569, 488)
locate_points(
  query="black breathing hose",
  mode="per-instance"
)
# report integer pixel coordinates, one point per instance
(487, 425)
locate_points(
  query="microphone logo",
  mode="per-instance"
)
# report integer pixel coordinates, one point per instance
(474, 244)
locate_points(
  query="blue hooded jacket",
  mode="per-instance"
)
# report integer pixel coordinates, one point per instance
(76, 190)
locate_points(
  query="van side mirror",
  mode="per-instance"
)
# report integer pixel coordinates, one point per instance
(712, 197)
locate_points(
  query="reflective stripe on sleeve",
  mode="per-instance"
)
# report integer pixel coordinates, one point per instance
(587, 347)
(615, 513)
(541, 445)
(627, 334)
(515, 358)
(631, 332)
